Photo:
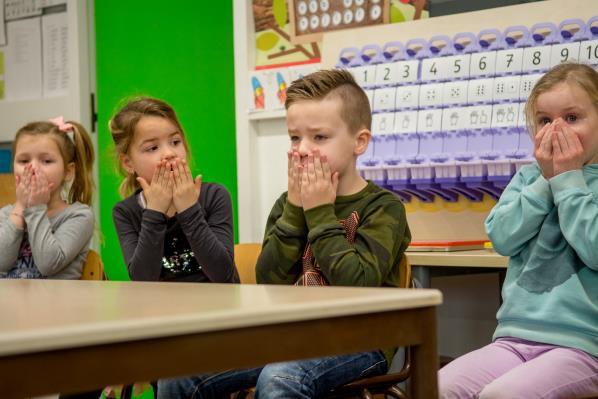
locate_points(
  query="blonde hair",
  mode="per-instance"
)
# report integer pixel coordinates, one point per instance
(123, 124)
(334, 83)
(78, 151)
(584, 76)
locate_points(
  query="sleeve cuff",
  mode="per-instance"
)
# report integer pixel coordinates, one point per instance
(565, 182)
(190, 213)
(32, 210)
(541, 189)
(323, 214)
(293, 215)
(149, 215)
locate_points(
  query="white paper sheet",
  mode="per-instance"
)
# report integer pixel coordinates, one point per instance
(55, 40)
(22, 59)
(2, 49)
(2, 25)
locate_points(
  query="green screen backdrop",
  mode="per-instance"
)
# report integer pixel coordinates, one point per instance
(180, 52)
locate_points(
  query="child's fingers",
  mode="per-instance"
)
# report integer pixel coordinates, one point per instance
(540, 135)
(297, 166)
(183, 172)
(311, 170)
(326, 167)
(556, 144)
(156, 175)
(318, 165)
(304, 179)
(176, 174)
(562, 141)
(198, 182)
(546, 144)
(143, 183)
(575, 142)
(170, 181)
(187, 170)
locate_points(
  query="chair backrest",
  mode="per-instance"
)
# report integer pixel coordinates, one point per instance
(7, 189)
(405, 280)
(93, 269)
(245, 259)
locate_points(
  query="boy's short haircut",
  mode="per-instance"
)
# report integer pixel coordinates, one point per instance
(330, 83)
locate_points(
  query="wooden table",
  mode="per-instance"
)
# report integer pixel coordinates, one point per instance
(480, 258)
(68, 336)
(430, 264)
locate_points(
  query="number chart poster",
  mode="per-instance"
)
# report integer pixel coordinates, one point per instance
(272, 31)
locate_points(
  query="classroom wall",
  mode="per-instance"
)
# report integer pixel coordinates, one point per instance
(181, 52)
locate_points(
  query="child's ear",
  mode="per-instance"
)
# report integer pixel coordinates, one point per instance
(362, 140)
(126, 164)
(69, 172)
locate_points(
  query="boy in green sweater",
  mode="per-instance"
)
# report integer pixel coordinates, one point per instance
(331, 227)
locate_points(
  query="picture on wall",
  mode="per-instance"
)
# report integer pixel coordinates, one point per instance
(277, 43)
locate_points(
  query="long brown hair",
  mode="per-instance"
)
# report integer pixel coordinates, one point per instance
(123, 124)
(78, 151)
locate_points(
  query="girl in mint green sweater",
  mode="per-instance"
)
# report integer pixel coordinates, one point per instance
(546, 221)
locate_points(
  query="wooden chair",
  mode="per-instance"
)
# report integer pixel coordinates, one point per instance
(7, 189)
(93, 269)
(382, 384)
(246, 256)
(245, 259)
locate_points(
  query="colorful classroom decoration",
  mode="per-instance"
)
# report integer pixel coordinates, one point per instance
(448, 112)
(290, 33)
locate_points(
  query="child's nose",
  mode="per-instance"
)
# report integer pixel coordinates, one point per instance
(168, 154)
(304, 148)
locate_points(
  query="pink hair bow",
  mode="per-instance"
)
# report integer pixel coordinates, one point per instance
(64, 127)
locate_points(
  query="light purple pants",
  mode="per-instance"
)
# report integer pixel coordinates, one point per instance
(515, 368)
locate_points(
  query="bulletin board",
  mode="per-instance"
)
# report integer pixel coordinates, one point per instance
(462, 220)
(44, 63)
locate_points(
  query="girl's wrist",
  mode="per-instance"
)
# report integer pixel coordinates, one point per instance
(19, 209)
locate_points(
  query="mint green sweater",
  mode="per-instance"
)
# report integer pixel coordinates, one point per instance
(549, 229)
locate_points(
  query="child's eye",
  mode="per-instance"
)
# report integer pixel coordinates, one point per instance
(151, 149)
(48, 161)
(571, 118)
(320, 137)
(176, 142)
(544, 121)
(22, 161)
(294, 139)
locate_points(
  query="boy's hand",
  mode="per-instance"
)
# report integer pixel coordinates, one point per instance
(318, 183)
(39, 189)
(23, 183)
(294, 172)
(543, 149)
(567, 149)
(186, 190)
(158, 194)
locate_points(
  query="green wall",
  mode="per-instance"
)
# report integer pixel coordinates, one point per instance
(181, 52)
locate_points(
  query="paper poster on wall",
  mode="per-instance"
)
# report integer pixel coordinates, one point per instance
(55, 54)
(275, 42)
(23, 60)
(2, 25)
(1, 74)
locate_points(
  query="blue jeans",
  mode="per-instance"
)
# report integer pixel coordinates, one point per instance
(311, 378)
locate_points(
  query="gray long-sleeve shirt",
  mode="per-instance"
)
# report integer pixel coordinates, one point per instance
(50, 247)
(194, 245)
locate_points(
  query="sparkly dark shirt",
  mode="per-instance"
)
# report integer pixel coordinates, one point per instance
(178, 260)
(195, 245)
